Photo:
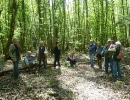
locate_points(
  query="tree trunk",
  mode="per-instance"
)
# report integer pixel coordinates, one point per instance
(12, 26)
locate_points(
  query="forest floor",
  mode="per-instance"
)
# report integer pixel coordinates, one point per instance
(81, 82)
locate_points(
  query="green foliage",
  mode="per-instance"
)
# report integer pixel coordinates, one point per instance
(74, 21)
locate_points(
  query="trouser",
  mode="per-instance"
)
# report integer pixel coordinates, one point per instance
(57, 59)
(42, 58)
(91, 56)
(72, 62)
(32, 66)
(15, 70)
(107, 61)
(99, 60)
(116, 69)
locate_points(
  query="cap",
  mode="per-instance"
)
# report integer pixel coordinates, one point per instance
(91, 40)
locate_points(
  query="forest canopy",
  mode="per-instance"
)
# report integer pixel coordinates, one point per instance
(72, 22)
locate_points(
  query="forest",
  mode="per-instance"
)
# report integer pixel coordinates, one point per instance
(73, 23)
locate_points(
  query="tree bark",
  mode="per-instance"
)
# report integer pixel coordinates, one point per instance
(12, 26)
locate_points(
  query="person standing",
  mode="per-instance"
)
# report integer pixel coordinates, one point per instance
(107, 56)
(57, 54)
(98, 54)
(41, 55)
(116, 61)
(92, 51)
(14, 53)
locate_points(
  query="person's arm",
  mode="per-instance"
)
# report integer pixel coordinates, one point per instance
(10, 51)
(93, 46)
(26, 60)
(19, 46)
(45, 51)
(103, 50)
(54, 50)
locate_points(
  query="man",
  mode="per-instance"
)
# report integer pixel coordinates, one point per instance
(98, 55)
(107, 56)
(41, 55)
(29, 60)
(57, 53)
(14, 53)
(92, 50)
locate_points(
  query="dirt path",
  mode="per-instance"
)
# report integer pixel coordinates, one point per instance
(66, 83)
(84, 82)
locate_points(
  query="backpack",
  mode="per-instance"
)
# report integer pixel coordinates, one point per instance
(121, 54)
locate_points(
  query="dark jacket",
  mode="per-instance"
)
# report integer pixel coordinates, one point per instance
(92, 48)
(115, 54)
(56, 51)
(41, 51)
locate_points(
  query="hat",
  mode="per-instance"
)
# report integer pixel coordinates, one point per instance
(108, 40)
(118, 43)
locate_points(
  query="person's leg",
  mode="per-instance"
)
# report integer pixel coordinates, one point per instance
(74, 61)
(71, 63)
(40, 59)
(118, 69)
(92, 60)
(44, 62)
(106, 61)
(115, 69)
(111, 64)
(55, 62)
(15, 63)
(100, 63)
(58, 60)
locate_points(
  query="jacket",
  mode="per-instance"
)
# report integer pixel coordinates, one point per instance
(115, 54)
(107, 54)
(92, 48)
(12, 52)
(29, 59)
(56, 51)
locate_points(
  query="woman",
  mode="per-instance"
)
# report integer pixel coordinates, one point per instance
(71, 59)
(42, 55)
(116, 61)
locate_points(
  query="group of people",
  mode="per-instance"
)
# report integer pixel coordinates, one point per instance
(41, 55)
(110, 53)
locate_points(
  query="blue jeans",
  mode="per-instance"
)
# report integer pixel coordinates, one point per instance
(116, 69)
(15, 63)
(91, 56)
(107, 61)
(42, 58)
